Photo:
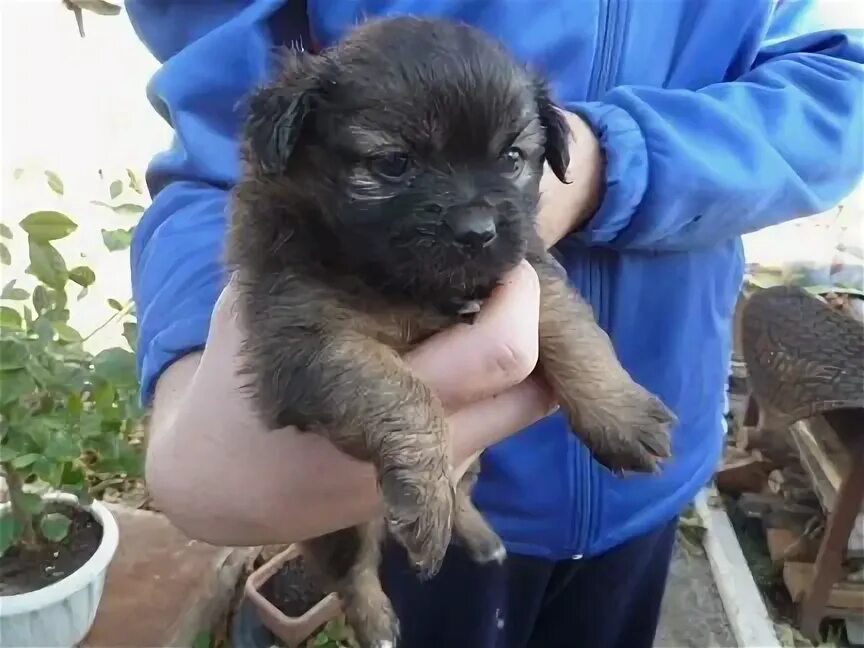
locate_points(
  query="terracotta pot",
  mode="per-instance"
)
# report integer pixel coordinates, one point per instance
(292, 631)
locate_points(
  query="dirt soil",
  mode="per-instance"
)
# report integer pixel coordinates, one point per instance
(292, 590)
(26, 571)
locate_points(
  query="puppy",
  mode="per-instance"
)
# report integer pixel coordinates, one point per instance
(388, 184)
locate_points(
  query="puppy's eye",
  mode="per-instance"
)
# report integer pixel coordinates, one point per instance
(390, 165)
(512, 161)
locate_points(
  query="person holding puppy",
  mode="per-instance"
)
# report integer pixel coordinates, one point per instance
(692, 126)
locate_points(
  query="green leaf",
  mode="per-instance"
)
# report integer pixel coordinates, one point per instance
(9, 318)
(130, 332)
(7, 453)
(73, 477)
(116, 366)
(128, 209)
(75, 405)
(83, 276)
(44, 226)
(58, 298)
(41, 299)
(25, 460)
(14, 385)
(44, 329)
(66, 332)
(116, 305)
(116, 189)
(103, 396)
(48, 471)
(83, 293)
(202, 640)
(62, 448)
(13, 293)
(58, 315)
(29, 502)
(28, 318)
(10, 531)
(118, 239)
(5, 255)
(47, 265)
(54, 182)
(125, 209)
(134, 183)
(91, 425)
(54, 526)
(5, 232)
(13, 355)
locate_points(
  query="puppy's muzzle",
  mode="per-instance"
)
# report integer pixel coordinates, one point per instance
(474, 229)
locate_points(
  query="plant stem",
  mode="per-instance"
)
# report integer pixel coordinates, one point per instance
(124, 311)
(16, 488)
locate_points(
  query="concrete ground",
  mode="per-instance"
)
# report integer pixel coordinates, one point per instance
(693, 615)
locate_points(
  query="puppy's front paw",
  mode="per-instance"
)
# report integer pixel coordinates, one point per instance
(420, 517)
(629, 433)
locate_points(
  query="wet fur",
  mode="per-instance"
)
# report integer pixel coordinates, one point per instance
(341, 272)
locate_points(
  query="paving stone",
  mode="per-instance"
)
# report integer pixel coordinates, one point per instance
(693, 615)
(163, 588)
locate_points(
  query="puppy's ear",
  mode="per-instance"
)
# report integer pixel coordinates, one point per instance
(556, 129)
(279, 113)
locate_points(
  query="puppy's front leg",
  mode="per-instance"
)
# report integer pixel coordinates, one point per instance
(363, 397)
(625, 426)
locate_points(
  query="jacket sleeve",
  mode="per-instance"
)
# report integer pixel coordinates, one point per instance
(686, 169)
(212, 55)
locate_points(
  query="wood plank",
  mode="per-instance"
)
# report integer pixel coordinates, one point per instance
(843, 596)
(825, 460)
(822, 474)
(829, 563)
(786, 545)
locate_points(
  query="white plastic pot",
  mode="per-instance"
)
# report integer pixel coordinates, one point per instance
(62, 613)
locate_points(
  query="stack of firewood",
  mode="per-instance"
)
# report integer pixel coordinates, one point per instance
(788, 482)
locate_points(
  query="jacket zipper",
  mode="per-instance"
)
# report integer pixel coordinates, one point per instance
(586, 517)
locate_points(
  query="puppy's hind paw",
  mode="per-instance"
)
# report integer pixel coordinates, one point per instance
(485, 548)
(496, 554)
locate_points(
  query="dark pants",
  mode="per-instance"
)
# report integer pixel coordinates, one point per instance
(610, 601)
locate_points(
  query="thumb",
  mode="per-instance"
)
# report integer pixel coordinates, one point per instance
(470, 362)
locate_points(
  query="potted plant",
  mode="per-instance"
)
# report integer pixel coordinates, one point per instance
(287, 600)
(68, 421)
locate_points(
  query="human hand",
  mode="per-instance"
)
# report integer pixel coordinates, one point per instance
(565, 207)
(220, 475)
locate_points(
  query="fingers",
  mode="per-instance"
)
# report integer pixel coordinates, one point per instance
(486, 422)
(463, 364)
(467, 363)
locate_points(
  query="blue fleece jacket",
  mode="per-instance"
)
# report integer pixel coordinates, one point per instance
(717, 117)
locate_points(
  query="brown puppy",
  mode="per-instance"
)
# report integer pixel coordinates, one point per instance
(388, 184)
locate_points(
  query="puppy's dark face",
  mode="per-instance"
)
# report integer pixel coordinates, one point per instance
(422, 143)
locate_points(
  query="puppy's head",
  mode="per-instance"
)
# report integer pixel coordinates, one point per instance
(418, 146)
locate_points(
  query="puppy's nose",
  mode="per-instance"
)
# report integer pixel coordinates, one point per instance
(474, 230)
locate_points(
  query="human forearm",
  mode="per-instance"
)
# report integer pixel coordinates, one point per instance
(221, 477)
(230, 483)
(688, 168)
